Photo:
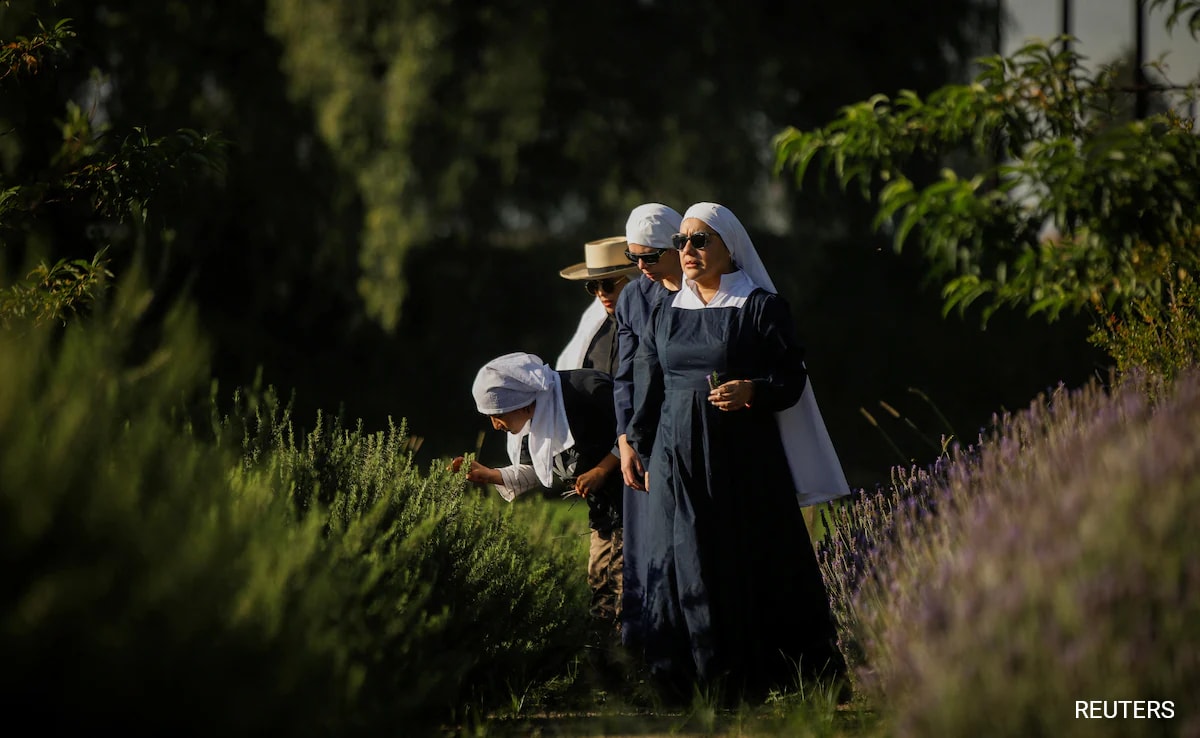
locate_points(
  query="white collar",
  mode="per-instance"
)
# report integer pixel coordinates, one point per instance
(735, 287)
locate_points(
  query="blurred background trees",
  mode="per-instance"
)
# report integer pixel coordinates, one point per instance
(1056, 195)
(404, 180)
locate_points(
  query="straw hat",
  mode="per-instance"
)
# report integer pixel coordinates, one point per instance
(603, 258)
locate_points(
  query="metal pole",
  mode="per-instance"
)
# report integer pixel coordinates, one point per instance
(1141, 89)
(1066, 22)
(999, 30)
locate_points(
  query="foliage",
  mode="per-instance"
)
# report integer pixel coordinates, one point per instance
(51, 293)
(122, 184)
(502, 171)
(451, 124)
(1155, 336)
(273, 252)
(1055, 204)
(854, 530)
(144, 579)
(1056, 561)
(1177, 9)
(446, 602)
(158, 577)
(27, 54)
(111, 185)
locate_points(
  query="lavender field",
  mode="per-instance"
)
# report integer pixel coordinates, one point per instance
(1055, 561)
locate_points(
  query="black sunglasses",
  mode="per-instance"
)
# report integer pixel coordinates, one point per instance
(651, 257)
(699, 239)
(596, 286)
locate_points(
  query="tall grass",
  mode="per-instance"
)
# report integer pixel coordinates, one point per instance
(1058, 560)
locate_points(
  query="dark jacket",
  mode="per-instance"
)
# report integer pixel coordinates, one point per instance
(588, 403)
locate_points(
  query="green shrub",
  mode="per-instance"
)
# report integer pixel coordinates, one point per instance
(159, 582)
(148, 586)
(1156, 336)
(55, 292)
(445, 600)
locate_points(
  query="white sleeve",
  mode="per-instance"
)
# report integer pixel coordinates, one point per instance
(518, 479)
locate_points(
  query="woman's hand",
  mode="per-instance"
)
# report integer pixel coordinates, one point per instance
(590, 481)
(478, 473)
(593, 479)
(736, 394)
(631, 465)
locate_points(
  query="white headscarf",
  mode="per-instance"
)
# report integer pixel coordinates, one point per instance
(816, 470)
(652, 225)
(575, 351)
(513, 381)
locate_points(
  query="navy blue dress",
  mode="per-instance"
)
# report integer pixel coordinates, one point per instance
(733, 594)
(633, 319)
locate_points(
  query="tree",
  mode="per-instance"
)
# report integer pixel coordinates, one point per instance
(94, 187)
(532, 128)
(1059, 205)
(503, 122)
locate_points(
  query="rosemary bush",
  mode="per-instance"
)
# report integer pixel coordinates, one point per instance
(147, 586)
(445, 603)
(158, 580)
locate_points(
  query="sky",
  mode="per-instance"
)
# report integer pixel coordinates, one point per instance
(1105, 30)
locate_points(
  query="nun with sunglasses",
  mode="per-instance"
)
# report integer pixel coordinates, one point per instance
(727, 427)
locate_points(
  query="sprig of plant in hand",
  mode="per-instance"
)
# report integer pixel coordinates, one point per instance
(713, 381)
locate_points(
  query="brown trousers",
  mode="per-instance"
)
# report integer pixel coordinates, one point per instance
(605, 560)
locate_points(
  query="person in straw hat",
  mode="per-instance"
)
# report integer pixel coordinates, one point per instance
(604, 272)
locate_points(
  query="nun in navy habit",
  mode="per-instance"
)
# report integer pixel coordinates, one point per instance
(728, 429)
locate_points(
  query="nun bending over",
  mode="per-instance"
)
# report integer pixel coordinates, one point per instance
(561, 435)
(733, 444)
